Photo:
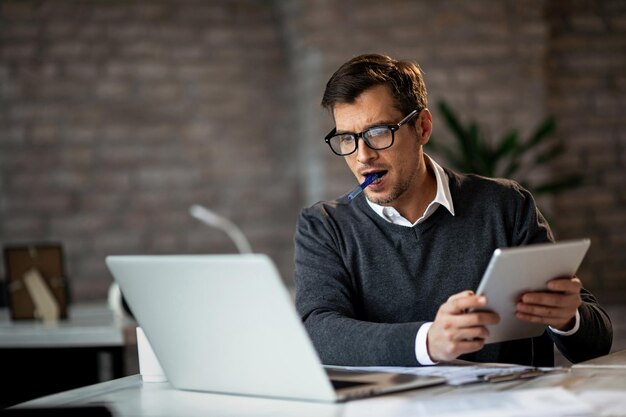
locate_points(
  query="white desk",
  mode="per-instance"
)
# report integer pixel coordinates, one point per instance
(129, 396)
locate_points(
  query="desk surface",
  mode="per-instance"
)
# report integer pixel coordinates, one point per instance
(87, 325)
(129, 396)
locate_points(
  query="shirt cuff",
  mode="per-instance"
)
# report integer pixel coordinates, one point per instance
(567, 332)
(421, 346)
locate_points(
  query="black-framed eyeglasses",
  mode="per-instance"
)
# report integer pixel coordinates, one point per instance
(376, 137)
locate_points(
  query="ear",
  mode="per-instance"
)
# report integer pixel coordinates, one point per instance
(424, 126)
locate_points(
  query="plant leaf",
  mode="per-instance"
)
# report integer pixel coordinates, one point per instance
(475, 150)
(448, 152)
(508, 144)
(511, 169)
(550, 153)
(545, 129)
(559, 185)
(471, 152)
(453, 123)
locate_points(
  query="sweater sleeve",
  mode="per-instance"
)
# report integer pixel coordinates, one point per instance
(529, 225)
(595, 334)
(325, 300)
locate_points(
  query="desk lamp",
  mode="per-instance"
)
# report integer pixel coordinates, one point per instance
(213, 219)
(207, 217)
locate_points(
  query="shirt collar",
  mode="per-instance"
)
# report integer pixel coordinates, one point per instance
(442, 198)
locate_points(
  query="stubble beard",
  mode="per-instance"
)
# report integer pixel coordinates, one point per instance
(397, 191)
(400, 188)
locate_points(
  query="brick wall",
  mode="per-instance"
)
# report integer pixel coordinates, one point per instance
(586, 74)
(116, 116)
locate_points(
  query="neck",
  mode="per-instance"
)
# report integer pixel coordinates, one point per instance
(416, 199)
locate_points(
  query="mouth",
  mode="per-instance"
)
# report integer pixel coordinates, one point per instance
(380, 175)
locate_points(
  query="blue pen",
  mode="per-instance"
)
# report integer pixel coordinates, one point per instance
(359, 188)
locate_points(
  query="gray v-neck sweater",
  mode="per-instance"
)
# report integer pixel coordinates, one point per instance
(364, 286)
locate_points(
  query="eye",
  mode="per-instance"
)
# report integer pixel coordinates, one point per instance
(345, 139)
(377, 132)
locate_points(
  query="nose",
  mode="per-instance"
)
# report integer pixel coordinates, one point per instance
(364, 153)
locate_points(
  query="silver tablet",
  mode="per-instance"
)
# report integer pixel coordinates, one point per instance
(514, 271)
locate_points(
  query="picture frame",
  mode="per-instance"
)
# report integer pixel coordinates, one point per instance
(48, 260)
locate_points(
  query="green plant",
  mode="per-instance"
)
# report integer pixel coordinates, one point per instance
(508, 157)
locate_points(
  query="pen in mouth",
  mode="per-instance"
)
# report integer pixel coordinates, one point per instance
(359, 188)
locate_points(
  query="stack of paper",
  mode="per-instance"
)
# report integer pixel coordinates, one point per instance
(467, 373)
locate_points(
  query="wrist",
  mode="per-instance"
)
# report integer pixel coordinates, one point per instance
(569, 325)
(570, 329)
(422, 351)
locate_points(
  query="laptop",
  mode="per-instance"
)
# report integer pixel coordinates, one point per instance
(226, 324)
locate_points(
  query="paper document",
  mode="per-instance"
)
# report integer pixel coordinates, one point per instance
(552, 402)
(466, 372)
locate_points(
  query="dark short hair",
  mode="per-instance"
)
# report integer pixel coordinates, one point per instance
(404, 79)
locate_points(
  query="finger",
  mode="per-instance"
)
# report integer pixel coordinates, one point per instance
(549, 299)
(452, 348)
(544, 311)
(531, 318)
(482, 318)
(565, 285)
(471, 334)
(550, 321)
(461, 294)
(468, 346)
(455, 334)
(462, 303)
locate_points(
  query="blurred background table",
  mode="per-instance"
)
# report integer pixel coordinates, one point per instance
(93, 345)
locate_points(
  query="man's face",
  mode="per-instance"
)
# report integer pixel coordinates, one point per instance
(402, 165)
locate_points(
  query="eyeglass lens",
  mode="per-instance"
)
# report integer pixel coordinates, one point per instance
(377, 138)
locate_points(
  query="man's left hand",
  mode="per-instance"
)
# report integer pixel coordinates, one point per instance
(556, 308)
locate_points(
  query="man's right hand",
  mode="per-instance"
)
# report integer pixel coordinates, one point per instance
(456, 331)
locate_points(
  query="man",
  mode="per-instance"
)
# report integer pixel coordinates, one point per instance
(386, 279)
